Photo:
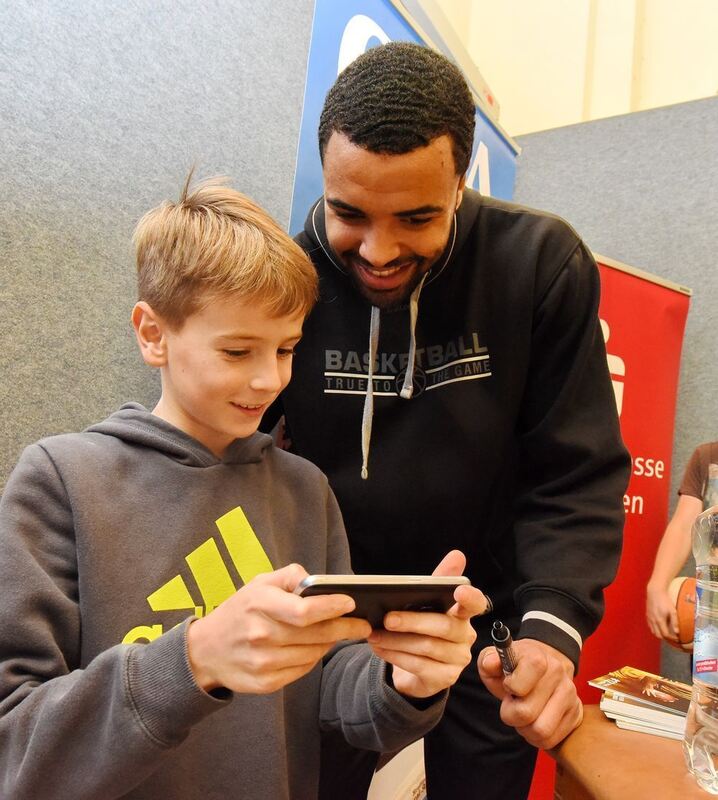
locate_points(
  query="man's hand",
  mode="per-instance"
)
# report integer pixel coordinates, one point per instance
(427, 650)
(264, 636)
(539, 698)
(661, 613)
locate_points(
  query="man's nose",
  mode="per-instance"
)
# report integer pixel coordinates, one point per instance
(379, 247)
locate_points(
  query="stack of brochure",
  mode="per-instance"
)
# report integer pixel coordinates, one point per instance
(641, 701)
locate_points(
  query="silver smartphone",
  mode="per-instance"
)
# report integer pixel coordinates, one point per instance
(376, 595)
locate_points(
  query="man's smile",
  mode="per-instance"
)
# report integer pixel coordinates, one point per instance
(384, 278)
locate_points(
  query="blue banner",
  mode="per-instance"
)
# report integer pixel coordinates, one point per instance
(341, 31)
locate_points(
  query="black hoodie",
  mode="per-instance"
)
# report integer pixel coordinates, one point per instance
(509, 448)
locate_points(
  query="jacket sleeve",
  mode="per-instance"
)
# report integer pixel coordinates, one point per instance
(69, 729)
(358, 702)
(357, 699)
(573, 466)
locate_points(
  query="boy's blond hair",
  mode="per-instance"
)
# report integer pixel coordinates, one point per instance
(217, 242)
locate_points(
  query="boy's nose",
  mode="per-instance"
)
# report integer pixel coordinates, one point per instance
(267, 378)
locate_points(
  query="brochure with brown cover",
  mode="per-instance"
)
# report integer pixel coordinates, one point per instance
(640, 700)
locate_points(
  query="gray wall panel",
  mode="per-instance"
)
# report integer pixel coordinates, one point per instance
(104, 106)
(643, 189)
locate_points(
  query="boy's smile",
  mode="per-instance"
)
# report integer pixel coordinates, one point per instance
(223, 368)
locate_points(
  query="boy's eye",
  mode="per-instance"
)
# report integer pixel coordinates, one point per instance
(285, 352)
(235, 353)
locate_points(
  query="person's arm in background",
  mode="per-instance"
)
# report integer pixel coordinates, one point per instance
(672, 553)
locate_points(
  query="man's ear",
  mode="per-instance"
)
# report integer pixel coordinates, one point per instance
(460, 192)
(150, 332)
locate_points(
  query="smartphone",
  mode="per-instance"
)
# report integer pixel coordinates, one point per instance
(376, 595)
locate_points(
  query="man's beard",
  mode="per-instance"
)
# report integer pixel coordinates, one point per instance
(391, 299)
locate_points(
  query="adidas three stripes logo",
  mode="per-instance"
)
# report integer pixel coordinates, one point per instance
(213, 579)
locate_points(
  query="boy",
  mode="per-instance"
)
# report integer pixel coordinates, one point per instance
(130, 666)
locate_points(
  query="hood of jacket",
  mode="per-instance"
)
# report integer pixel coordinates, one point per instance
(134, 424)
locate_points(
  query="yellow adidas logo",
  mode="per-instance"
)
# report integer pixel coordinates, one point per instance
(210, 572)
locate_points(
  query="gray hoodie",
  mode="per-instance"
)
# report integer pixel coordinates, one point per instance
(110, 540)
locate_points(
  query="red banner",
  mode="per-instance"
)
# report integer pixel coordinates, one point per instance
(643, 322)
(643, 319)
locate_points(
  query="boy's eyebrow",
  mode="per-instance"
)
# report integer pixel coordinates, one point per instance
(237, 335)
(410, 212)
(250, 337)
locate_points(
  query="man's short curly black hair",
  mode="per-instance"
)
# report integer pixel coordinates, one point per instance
(397, 97)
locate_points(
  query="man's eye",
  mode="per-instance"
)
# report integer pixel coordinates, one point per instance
(416, 221)
(348, 216)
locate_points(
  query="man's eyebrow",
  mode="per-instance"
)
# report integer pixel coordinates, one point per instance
(417, 212)
(409, 212)
(335, 203)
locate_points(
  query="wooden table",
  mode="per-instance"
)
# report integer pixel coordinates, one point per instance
(600, 761)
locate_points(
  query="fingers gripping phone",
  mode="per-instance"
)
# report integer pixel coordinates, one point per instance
(376, 595)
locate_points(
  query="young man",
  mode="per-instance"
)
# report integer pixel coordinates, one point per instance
(130, 666)
(452, 384)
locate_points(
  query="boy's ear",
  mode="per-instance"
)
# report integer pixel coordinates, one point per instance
(150, 332)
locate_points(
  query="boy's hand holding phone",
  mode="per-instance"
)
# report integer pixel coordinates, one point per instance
(264, 637)
(427, 650)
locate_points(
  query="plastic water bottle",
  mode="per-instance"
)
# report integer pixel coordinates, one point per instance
(700, 745)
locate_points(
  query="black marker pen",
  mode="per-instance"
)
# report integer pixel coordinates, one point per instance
(504, 646)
